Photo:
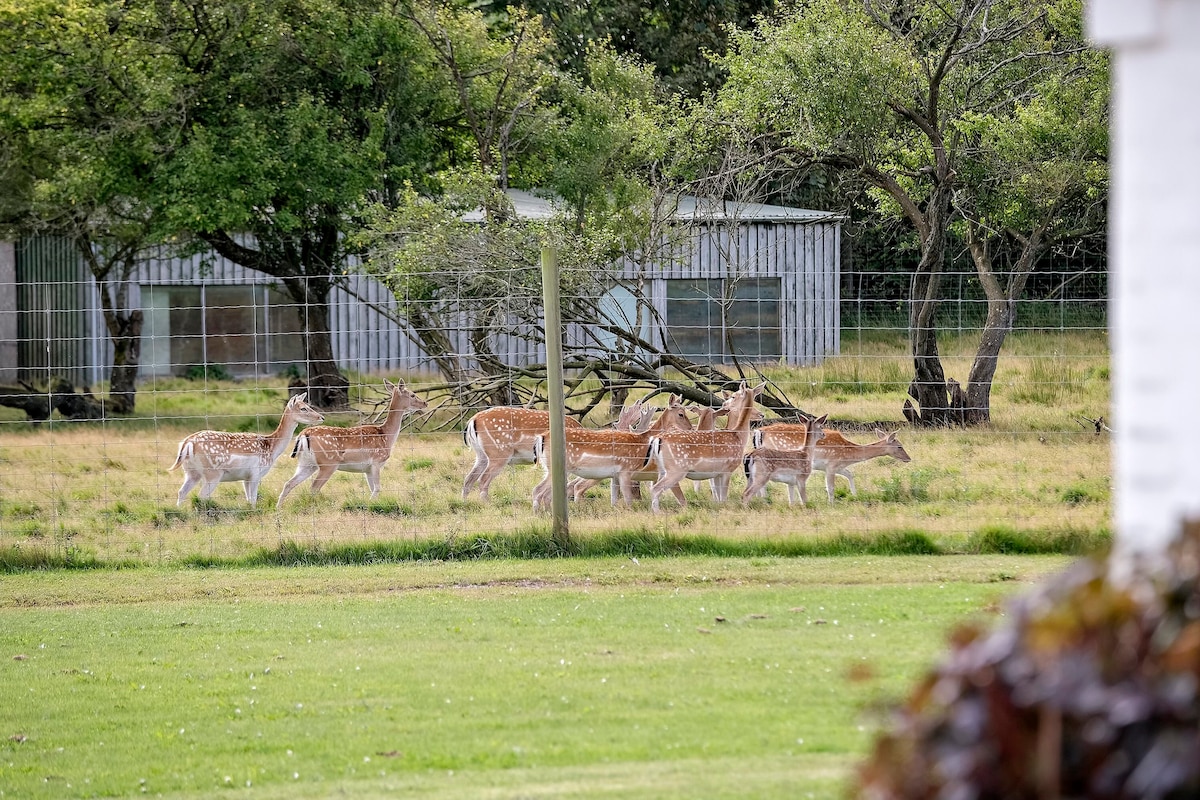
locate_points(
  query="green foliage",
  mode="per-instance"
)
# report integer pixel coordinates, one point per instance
(207, 372)
(907, 485)
(1051, 691)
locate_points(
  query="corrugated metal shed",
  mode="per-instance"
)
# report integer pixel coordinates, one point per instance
(791, 255)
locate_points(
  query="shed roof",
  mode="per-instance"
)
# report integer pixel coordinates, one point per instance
(537, 206)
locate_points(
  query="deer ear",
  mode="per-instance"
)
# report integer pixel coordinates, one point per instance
(821, 419)
(298, 399)
(758, 390)
(882, 434)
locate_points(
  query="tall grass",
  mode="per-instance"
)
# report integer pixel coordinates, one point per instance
(77, 493)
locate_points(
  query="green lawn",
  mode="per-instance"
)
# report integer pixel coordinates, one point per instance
(551, 678)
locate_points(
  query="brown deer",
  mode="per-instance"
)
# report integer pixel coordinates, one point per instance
(834, 454)
(501, 436)
(326, 449)
(636, 418)
(790, 467)
(215, 457)
(599, 454)
(702, 455)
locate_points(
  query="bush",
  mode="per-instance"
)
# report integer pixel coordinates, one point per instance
(1090, 691)
(208, 372)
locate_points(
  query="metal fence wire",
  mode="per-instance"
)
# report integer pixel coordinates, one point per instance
(223, 349)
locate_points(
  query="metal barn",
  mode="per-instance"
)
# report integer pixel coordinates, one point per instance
(777, 268)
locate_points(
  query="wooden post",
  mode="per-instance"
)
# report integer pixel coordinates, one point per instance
(554, 393)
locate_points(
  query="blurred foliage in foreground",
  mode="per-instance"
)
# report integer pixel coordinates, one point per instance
(1089, 691)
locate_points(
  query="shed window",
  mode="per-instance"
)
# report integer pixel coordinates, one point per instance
(706, 316)
(247, 330)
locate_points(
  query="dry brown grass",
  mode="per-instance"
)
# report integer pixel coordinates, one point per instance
(105, 489)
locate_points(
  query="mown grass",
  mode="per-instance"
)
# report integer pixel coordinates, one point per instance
(584, 677)
(422, 644)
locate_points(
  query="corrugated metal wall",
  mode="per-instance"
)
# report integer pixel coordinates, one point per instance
(54, 326)
(60, 316)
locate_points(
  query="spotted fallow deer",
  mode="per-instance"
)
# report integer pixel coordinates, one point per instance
(636, 418)
(834, 454)
(702, 455)
(790, 467)
(214, 457)
(600, 454)
(501, 436)
(326, 449)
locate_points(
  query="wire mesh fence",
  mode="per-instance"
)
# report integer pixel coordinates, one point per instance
(223, 349)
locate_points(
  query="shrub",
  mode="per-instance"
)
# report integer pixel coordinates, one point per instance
(208, 372)
(1090, 691)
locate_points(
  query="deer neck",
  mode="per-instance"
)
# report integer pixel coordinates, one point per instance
(810, 439)
(739, 419)
(282, 434)
(395, 415)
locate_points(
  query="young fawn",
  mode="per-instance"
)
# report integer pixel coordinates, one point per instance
(215, 457)
(326, 449)
(790, 467)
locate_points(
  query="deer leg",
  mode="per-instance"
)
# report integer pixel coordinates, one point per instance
(845, 471)
(303, 470)
(211, 482)
(754, 486)
(540, 491)
(250, 488)
(830, 475)
(481, 464)
(373, 479)
(721, 488)
(669, 480)
(625, 480)
(323, 476)
(189, 482)
(494, 468)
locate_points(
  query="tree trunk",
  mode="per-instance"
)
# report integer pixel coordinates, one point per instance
(124, 326)
(327, 386)
(304, 267)
(127, 355)
(928, 386)
(1001, 316)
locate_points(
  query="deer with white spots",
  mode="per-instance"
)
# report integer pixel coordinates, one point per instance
(215, 457)
(326, 449)
(607, 453)
(501, 436)
(834, 454)
(704, 455)
(636, 418)
(790, 467)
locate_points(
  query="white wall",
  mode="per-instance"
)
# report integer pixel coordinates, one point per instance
(1155, 263)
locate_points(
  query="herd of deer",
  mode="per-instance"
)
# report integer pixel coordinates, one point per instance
(641, 447)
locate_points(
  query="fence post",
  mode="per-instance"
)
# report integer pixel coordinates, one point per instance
(554, 395)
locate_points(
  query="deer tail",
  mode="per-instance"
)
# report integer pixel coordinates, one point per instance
(185, 452)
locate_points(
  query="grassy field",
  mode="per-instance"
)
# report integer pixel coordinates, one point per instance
(422, 645)
(102, 491)
(586, 678)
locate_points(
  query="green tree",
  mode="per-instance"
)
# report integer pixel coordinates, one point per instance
(87, 111)
(296, 112)
(673, 38)
(937, 107)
